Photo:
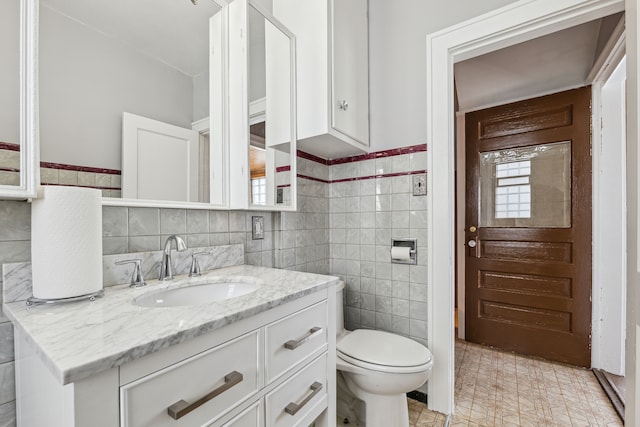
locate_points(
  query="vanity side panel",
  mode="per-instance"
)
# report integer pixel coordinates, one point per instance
(96, 400)
(39, 397)
(328, 416)
(43, 401)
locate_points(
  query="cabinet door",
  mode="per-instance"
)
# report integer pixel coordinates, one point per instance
(294, 339)
(299, 400)
(160, 161)
(211, 383)
(350, 85)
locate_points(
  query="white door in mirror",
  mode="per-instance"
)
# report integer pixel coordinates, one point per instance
(159, 161)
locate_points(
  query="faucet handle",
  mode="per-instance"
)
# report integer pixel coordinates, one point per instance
(137, 278)
(195, 267)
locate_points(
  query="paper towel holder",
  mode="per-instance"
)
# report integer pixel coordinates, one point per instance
(412, 244)
(33, 301)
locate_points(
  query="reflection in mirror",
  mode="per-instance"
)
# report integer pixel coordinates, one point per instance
(270, 111)
(10, 93)
(148, 58)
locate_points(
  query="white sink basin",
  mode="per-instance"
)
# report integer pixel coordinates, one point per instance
(196, 294)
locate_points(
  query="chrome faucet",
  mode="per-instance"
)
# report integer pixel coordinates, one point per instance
(166, 268)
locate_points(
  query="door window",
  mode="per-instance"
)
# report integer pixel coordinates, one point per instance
(526, 187)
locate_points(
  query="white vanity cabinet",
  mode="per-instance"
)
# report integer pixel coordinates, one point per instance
(276, 368)
(332, 51)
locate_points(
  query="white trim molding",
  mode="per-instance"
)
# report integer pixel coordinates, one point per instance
(512, 24)
(29, 136)
(608, 216)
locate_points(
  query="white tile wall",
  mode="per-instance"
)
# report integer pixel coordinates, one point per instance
(364, 216)
(341, 228)
(15, 246)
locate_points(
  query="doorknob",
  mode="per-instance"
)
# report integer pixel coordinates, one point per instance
(473, 250)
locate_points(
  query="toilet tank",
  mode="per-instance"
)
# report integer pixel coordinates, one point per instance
(340, 331)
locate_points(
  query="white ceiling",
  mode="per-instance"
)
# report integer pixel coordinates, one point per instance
(545, 65)
(174, 32)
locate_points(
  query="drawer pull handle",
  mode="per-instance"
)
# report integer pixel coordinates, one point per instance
(293, 344)
(182, 408)
(293, 408)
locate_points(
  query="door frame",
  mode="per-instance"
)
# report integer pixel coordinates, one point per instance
(607, 250)
(512, 24)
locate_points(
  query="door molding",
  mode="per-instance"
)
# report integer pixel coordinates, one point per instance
(503, 27)
(605, 247)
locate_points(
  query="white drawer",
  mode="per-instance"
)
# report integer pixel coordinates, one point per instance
(300, 399)
(294, 338)
(250, 417)
(229, 371)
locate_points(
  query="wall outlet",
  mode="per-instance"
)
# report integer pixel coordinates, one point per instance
(257, 227)
(420, 184)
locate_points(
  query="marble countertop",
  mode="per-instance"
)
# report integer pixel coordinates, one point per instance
(79, 339)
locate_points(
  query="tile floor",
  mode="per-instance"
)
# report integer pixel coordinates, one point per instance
(497, 388)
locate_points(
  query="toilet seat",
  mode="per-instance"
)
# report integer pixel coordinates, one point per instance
(383, 351)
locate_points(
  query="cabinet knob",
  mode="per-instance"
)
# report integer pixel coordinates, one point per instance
(343, 105)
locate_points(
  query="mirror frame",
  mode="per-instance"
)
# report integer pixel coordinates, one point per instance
(29, 141)
(230, 126)
(218, 125)
(239, 181)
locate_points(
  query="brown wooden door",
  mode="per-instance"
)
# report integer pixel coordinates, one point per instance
(528, 227)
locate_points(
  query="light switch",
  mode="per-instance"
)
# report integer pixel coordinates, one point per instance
(257, 227)
(420, 184)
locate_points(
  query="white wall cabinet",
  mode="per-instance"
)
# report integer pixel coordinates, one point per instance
(274, 369)
(332, 73)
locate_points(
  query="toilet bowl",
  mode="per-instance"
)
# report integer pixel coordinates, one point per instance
(379, 368)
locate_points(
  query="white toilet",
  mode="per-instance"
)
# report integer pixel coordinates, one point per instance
(379, 368)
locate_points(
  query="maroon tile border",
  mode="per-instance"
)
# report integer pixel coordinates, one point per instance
(309, 156)
(362, 178)
(9, 146)
(16, 147)
(82, 186)
(378, 154)
(310, 178)
(384, 175)
(375, 155)
(368, 156)
(79, 168)
(300, 153)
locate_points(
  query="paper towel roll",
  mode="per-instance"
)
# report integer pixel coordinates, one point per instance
(401, 253)
(66, 242)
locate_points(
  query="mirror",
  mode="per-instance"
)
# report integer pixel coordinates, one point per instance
(101, 62)
(267, 140)
(18, 142)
